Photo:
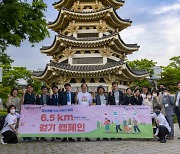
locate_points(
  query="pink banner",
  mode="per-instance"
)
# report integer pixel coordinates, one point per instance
(86, 121)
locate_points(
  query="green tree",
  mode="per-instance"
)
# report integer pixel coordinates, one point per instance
(171, 74)
(143, 64)
(12, 75)
(20, 20)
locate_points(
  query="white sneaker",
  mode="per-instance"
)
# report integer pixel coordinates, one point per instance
(3, 143)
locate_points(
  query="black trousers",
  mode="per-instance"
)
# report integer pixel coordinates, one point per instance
(163, 131)
(118, 128)
(177, 111)
(9, 137)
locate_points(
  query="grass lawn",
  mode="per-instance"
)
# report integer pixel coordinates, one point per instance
(146, 132)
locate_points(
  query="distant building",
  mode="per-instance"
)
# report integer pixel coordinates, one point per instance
(157, 73)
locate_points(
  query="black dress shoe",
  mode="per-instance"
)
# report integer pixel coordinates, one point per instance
(64, 140)
(43, 139)
(78, 139)
(163, 141)
(71, 139)
(87, 139)
(98, 139)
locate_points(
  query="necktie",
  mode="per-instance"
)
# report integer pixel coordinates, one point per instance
(68, 97)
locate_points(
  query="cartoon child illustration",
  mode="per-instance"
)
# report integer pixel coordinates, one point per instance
(130, 126)
(136, 128)
(107, 125)
(118, 128)
(125, 129)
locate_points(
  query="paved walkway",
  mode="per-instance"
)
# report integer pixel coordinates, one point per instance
(95, 147)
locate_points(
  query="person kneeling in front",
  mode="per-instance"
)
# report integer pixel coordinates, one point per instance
(9, 131)
(163, 127)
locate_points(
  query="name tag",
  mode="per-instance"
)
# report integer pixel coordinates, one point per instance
(68, 103)
(166, 105)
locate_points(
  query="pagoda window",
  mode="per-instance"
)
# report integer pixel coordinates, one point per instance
(73, 80)
(78, 52)
(96, 51)
(87, 35)
(87, 52)
(87, 60)
(87, 9)
(92, 80)
(83, 80)
(102, 80)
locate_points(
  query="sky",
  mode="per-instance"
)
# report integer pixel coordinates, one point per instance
(155, 27)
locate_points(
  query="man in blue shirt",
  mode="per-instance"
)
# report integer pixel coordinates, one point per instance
(67, 98)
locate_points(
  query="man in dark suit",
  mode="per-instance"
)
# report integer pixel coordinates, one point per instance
(55, 98)
(177, 104)
(115, 97)
(67, 98)
(43, 98)
(55, 101)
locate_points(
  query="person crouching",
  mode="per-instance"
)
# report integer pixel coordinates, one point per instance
(9, 131)
(163, 127)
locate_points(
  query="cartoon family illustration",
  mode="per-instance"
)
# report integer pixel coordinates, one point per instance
(129, 126)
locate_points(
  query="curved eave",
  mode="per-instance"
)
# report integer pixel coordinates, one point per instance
(68, 3)
(128, 72)
(53, 72)
(119, 45)
(113, 41)
(44, 75)
(49, 72)
(50, 50)
(109, 14)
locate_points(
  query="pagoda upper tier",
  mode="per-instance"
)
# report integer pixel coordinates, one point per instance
(111, 43)
(106, 17)
(79, 5)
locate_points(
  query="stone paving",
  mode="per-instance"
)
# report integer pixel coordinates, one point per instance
(125, 146)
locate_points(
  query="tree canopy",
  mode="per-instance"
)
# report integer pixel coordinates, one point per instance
(20, 20)
(171, 74)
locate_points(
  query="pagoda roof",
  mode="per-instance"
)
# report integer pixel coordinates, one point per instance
(113, 41)
(68, 3)
(117, 67)
(108, 14)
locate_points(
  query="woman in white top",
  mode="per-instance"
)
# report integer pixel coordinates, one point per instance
(84, 98)
(9, 131)
(163, 127)
(148, 101)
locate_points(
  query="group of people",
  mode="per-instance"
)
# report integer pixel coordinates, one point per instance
(163, 105)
